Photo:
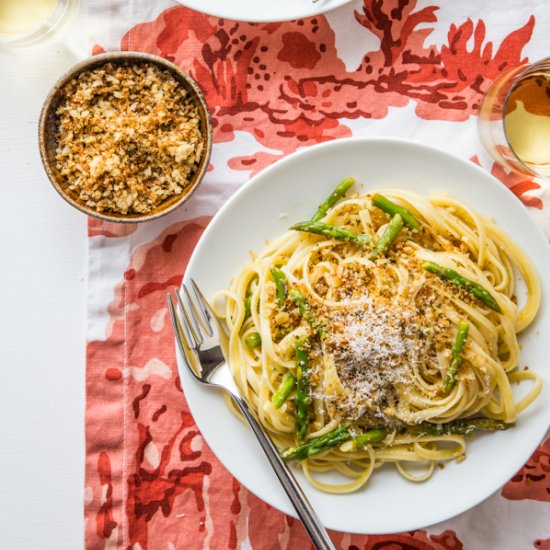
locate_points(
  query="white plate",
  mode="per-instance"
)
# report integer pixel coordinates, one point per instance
(289, 191)
(263, 10)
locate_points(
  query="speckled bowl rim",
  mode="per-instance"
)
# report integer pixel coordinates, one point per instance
(52, 100)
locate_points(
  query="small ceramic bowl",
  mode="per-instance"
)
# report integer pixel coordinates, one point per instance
(48, 124)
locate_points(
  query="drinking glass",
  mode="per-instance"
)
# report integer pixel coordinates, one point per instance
(514, 119)
(26, 22)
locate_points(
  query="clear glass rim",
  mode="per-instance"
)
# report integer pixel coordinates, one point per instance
(529, 69)
(44, 28)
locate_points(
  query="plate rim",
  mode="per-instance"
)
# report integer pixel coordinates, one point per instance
(256, 181)
(243, 16)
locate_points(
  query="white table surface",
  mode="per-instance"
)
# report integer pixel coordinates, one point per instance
(42, 322)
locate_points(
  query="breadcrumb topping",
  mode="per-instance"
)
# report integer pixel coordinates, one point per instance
(128, 137)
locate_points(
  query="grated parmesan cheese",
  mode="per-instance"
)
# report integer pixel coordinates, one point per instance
(376, 346)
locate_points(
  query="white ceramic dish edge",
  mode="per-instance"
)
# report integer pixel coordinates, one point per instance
(255, 11)
(473, 480)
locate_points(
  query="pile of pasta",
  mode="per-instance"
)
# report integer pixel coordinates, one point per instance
(383, 329)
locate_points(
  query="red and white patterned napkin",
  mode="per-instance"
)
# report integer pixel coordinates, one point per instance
(407, 68)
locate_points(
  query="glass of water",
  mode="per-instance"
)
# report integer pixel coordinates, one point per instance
(514, 119)
(26, 22)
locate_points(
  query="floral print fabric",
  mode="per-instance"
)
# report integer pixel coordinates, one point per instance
(404, 68)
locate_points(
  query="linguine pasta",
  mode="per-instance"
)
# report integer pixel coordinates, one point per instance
(381, 334)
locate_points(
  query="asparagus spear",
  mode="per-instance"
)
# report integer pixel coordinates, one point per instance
(372, 436)
(301, 398)
(281, 284)
(283, 391)
(332, 439)
(475, 288)
(391, 208)
(335, 196)
(388, 236)
(332, 231)
(307, 312)
(460, 426)
(456, 356)
(253, 340)
(342, 434)
(317, 445)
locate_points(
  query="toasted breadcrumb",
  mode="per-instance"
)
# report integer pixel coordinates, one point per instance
(128, 137)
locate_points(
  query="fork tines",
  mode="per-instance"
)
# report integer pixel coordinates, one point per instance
(195, 318)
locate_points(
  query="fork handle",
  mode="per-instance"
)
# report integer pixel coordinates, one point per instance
(313, 525)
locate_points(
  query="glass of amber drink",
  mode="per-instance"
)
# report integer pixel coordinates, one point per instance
(514, 119)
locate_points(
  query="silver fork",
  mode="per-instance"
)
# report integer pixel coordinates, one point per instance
(200, 337)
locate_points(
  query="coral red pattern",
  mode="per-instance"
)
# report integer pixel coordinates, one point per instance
(533, 480)
(151, 481)
(164, 484)
(109, 229)
(285, 84)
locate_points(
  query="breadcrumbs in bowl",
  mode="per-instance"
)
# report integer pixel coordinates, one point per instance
(125, 136)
